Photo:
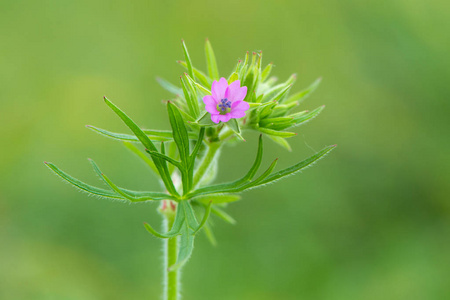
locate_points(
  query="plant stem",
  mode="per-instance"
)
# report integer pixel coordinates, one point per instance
(206, 162)
(172, 278)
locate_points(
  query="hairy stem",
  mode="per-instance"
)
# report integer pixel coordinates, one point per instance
(172, 278)
(206, 162)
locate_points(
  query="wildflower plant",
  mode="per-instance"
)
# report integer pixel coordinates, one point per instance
(207, 112)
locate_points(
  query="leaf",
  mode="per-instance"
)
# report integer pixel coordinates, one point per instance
(205, 217)
(284, 134)
(209, 234)
(155, 135)
(199, 86)
(297, 167)
(302, 119)
(234, 126)
(266, 72)
(145, 140)
(223, 215)
(81, 185)
(237, 183)
(281, 141)
(217, 199)
(191, 98)
(233, 77)
(188, 60)
(185, 249)
(169, 86)
(177, 226)
(190, 215)
(141, 155)
(166, 158)
(180, 134)
(206, 81)
(211, 61)
(302, 95)
(127, 194)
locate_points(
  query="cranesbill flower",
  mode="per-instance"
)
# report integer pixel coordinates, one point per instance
(226, 101)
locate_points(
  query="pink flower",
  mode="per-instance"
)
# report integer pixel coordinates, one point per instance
(226, 101)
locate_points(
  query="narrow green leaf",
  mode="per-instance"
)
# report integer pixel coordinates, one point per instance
(177, 226)
(210, 234)
(266, 72)
(211, 61)
(247, 177)
(302, 119)
(188, 60)
(169, 86)
(298, 167)
(141, 155)
(284, 134)
(190, 214)
(199, 86)
(185, 250)
(217, 198)
(205, 80)
(145, 140)
(180, 134)
(281, 141)
(223, 215)
(302, 95)
(205, 217)
(165, 157)
(81, 185)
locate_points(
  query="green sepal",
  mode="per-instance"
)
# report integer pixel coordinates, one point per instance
(205, 120)
(198, 86)
(213, 71)
(234, 126)
(191, 97)
(233, 77)
(303, 118)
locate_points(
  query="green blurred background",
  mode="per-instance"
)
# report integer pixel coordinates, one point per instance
(371, 221)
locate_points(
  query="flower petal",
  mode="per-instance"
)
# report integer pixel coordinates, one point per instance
(235, 92)
(237, 114)
(239, 106)
(210, 104)
(218, 89)
(217, 118)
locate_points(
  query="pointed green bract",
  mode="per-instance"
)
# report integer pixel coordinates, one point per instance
(211, 61)
(188, 60)
(284, 134)
(169, 86)
(206, 81)
(302, 95)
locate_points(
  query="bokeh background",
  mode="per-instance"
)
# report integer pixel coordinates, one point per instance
(371, 221)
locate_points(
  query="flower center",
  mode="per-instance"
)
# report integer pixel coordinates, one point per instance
(224, 106)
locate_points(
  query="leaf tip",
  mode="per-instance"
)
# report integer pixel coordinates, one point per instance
(46, 162)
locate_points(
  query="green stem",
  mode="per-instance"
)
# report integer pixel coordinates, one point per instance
(172, 278)
(206, 162)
